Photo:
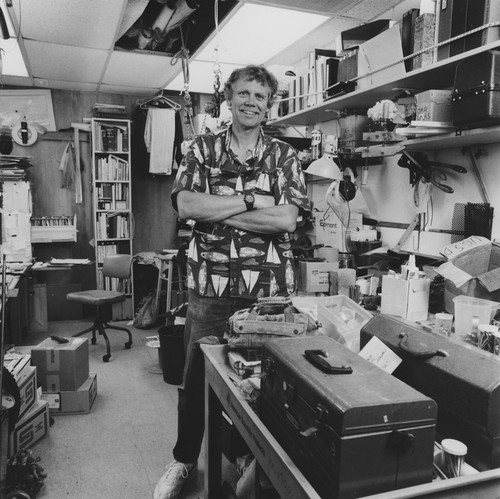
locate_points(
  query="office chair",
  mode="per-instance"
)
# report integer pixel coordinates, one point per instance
(114, 266)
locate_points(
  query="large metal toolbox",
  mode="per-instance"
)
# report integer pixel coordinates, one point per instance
(350, 434)
(476, 91)
(465, 383)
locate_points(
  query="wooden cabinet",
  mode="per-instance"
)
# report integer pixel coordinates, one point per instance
(112, 202)
(441, 74)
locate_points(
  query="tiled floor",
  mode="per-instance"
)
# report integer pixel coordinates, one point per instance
(120, 449)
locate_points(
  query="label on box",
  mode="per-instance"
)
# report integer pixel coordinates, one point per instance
(452, 251)
(26, 383)
(31, 428)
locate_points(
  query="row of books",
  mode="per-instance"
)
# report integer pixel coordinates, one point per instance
(111, 137)
(53, 221)
(112, 196)
(312, 88)
(103, 250)
(111, 167)
(112, 226)
(114, 284)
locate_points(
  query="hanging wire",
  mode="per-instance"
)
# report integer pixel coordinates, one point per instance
(183, 56)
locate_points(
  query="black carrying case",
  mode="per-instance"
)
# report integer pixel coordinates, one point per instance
(476, 91)
(465, 384)
(350, 434)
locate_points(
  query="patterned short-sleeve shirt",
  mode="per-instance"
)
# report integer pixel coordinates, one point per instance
(224, 261)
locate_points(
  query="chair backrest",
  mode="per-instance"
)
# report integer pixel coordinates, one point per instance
(117, 266)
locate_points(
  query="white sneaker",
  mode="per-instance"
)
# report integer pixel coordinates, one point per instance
(174, 478)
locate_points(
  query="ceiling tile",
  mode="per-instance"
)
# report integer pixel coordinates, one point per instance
(81, 23)
(71, 85)
(140, 70)
(73, 63)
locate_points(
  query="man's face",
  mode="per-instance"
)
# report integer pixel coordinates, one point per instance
(249, 103)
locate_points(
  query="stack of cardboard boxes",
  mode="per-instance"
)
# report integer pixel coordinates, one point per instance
(33, 420)
(63, 374)
(53, 378)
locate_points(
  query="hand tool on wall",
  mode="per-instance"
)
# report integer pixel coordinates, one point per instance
(420, 169)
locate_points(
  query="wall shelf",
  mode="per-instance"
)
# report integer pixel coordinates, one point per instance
(475, 136)
(441, 74)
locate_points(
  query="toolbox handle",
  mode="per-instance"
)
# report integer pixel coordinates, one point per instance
(317, 359)
(421, 354)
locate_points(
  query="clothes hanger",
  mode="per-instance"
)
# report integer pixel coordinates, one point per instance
(157, 101)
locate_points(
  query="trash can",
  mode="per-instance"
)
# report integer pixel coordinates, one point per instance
(171, 352)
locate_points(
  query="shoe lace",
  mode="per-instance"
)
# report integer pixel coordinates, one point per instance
(176, 470)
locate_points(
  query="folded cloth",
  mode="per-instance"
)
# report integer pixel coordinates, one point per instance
(159, 137)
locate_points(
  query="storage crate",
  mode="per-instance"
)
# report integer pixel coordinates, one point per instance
(341, 316)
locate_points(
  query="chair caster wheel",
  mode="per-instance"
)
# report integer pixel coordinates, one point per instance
(128, 345)
(18, 494)
(94, 341)
(105, 358)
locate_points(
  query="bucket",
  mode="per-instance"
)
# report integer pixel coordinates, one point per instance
(470, 312)
(172, 353)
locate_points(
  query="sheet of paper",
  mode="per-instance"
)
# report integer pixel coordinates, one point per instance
(377, 353)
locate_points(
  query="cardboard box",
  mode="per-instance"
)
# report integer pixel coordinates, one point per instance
(313, 276)
(26, 382)
(61, 366)
(472, 269)
(406, 298)
(73, 402)
(434, 105)
(31, 428)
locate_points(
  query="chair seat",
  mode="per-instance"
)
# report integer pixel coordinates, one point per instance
(96, 297)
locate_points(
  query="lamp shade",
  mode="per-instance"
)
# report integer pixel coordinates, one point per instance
(325, 167)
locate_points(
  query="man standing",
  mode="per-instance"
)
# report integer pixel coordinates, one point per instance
(245, 191)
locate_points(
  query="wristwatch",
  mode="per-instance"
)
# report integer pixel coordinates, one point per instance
(249, 199)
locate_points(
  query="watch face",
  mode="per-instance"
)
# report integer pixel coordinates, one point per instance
(249, 200)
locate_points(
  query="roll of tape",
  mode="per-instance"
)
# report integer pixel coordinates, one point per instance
(24, 136)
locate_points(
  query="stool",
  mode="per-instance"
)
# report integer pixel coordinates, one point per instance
(167, 267)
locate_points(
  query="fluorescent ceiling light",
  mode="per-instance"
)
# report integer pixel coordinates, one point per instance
(12, 58)
(253, 35)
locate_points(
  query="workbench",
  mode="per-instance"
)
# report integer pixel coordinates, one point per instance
(221, 394)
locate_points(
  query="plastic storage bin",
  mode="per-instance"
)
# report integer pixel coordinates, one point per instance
(469, 309)
(342, 317)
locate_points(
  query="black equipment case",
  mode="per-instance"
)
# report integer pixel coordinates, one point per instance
(353, 433)
(465, 384)
(476, 92)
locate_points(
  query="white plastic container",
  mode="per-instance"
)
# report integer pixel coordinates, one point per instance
(341, 316)
(470, 312)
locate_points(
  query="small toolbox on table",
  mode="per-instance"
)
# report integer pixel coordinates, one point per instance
(465, 383)
(352, 432)
(476, 92)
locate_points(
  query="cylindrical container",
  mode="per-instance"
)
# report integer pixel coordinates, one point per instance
(454, 455)
(489, 338)
(442, 323)
(172, 353)
(346, 261)
(471, 311)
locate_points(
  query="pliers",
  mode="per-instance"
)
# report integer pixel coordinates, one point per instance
(418, 171)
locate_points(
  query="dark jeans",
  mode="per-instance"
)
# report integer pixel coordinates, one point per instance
(206, 317)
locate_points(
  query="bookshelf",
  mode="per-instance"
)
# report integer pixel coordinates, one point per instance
(112, 203)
